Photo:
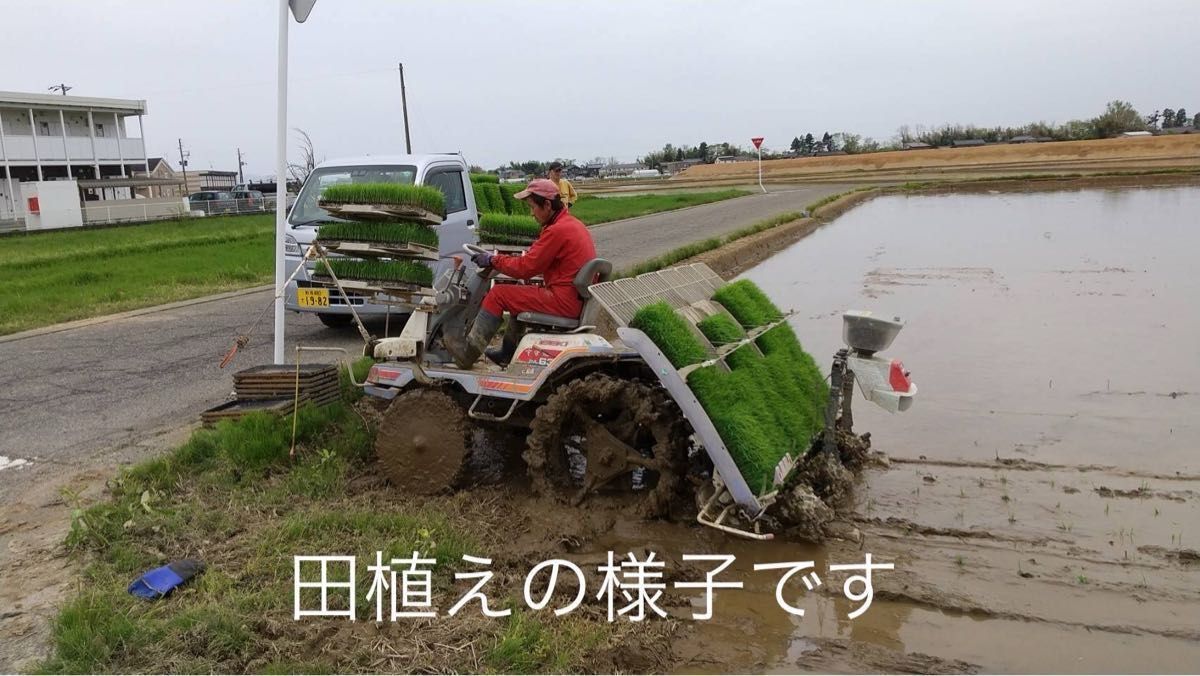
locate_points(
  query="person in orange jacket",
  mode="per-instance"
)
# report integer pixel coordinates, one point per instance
(560, 251)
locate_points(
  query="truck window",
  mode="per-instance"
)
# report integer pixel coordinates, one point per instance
(306, 210)
(450, 182)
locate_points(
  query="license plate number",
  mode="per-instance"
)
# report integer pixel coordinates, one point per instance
(312, 297)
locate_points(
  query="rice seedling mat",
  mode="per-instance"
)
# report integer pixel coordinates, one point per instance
(377, 250)
(380, 212)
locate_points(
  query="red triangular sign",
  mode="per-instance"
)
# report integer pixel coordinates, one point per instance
(757, 141)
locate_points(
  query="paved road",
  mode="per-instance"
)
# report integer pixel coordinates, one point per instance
(77, 393)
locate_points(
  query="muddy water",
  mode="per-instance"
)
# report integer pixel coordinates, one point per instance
(1043, 502)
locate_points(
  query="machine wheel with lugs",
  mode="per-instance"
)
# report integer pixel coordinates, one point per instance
(604, 434)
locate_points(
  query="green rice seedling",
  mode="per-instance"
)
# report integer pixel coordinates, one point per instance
(484, 178)
(747, 303)
(767, 405)
(720, 329)
(421, 196)
(504, 225)
(511, 204)
(381, 233)
(492, 199)
(410, 272)
(670, 333)
(484, 200)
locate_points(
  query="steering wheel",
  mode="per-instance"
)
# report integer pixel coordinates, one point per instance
(474, 249)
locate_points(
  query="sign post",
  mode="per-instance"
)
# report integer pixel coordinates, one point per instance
(300, 10)
(757, 141)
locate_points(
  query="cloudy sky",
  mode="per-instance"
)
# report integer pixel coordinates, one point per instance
(524, 79)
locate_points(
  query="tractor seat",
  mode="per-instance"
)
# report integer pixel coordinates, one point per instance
(548, 320)
(593, 272)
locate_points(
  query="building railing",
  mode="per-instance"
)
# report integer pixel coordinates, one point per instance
(79, 148)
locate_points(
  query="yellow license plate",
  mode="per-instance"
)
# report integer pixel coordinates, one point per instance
(312, 297)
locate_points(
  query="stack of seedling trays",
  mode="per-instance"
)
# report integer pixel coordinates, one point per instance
(766, 397)
(383, 248)
(272, 389)
(507, 232)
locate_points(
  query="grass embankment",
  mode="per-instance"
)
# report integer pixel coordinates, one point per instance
(769, 403)
(231, 497)
(60, 276)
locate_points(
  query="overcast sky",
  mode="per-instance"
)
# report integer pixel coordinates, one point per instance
(520, 79)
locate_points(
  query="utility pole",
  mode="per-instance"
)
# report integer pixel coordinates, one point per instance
(241, 176)
(183, 166)
(60, 87)
(404, 106)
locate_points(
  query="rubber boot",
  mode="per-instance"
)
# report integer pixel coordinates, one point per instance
(466, 350)
(512, 337)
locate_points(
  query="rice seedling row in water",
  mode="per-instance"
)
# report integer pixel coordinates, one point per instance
(381, 233)
(379, 271)
(767, 405)
(421, 196)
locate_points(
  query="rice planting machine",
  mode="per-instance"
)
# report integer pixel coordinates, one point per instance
(602, 415)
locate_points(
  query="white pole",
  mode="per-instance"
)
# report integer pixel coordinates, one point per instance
(62, 123)
(760, 185)
(37, 157)
(280, 180)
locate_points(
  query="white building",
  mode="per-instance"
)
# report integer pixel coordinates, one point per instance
(47, 137)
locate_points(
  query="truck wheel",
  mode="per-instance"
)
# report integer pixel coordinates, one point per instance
(335, 321)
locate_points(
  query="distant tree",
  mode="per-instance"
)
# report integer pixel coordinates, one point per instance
(1168, 118)
(809, 143)
(1181, 117)
(1196, 121)
(827, 142)
(679, 154)
(1119, 116)
(795, 147)
(851, 143)
(704, 151)
(1152, 119)
(476, 169)
(299, 171)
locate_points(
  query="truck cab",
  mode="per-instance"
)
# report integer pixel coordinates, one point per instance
(448, 173)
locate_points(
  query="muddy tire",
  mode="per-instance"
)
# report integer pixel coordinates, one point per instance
(424, 441)
(561, 460)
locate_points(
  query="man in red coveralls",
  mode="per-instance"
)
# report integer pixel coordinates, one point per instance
(562, 248)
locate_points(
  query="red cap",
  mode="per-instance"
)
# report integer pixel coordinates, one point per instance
(539, 186)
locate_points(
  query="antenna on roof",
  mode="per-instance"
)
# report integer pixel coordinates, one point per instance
(60, 87)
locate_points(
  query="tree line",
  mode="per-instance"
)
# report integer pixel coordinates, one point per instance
(1118, 117)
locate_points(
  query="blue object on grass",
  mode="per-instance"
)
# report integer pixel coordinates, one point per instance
(159, 582)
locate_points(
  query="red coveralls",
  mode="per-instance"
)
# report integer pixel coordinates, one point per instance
(564, 246)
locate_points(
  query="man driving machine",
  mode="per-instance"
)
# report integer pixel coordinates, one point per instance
(562, 248)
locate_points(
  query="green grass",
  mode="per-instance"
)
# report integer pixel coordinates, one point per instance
(411, 272)
(532, 645)
(593, 209)
(382, 233)
(769, 404)
(485, 178)
(482, 200)
(232, 497)
(425, 197)
(62, 276)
